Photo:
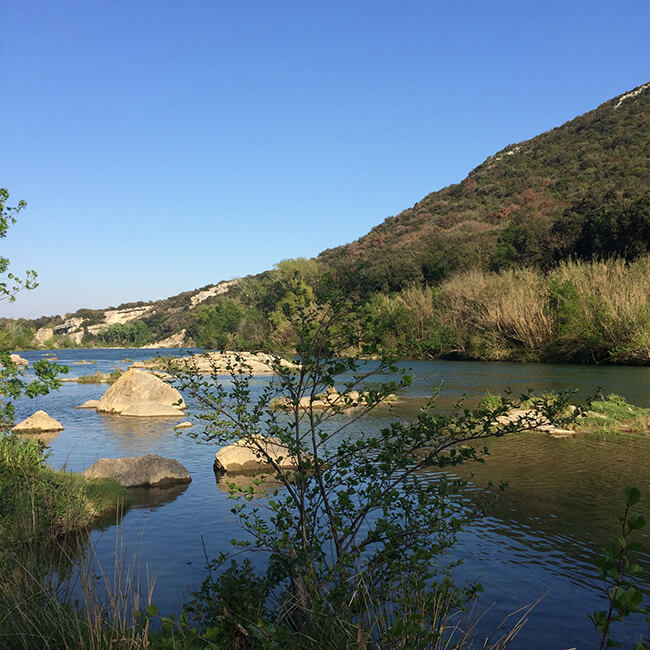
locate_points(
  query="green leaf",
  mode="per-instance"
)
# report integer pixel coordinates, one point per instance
(152, 610)
(635, 521)
(632, 495)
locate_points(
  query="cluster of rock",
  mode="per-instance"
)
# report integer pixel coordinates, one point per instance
(222, 363)
(138, 394)
(536, 421)
(18, 360)
(331, 398)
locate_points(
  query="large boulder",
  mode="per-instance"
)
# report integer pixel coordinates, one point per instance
(136, 388)
(243, 456)
(18, 360)
(39, 422)
(139, 471)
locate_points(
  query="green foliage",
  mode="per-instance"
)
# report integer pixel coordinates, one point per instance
(13, 386)
(10, 284)
(16, 337)
(132, 334)
(613, 414)
(217, 322)
(619, 571)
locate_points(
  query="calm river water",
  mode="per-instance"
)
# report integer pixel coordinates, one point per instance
(541, 539)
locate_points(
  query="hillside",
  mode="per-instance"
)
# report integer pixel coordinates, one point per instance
(507, 264)
(580, 189)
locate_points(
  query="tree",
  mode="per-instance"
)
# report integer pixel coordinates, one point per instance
(12, 382)
(362, 517)
(9, 283)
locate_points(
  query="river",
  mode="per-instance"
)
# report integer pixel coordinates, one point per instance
(541, 539)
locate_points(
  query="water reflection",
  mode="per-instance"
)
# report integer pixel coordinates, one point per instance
(46, 437)
(154, 497)
(129, 429)
(258, 485)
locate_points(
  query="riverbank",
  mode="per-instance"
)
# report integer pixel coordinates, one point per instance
(43, 504)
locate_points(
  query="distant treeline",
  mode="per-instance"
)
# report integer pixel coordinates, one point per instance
(587, 312)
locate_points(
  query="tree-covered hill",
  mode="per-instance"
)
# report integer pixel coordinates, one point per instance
(581, 189)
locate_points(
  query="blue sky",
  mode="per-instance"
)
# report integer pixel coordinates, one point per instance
(162, 146)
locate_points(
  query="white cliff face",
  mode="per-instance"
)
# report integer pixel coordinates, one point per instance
(68, 326)
(174, 341)
(73, 328)
(632, 93)
(217, 290)
(44, 334)
(121, 316)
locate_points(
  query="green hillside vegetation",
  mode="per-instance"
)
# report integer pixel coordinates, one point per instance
(579, 190)
(541, 253)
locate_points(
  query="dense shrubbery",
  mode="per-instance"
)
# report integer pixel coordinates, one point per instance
(593, 312)
(135, 334)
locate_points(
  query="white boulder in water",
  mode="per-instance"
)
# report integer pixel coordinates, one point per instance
(39, 422)
(142, 394)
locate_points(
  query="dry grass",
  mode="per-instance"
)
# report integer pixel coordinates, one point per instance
(510, 306)
(597, 311)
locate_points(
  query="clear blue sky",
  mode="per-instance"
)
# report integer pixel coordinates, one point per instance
(162, 146)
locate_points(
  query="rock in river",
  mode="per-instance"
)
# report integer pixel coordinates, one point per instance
(137, 471)
(89, 404)
(38, 423)
(141, 394)
(243, 456)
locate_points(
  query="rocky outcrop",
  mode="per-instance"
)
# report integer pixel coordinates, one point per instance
(174, 341)
(331, 398)
(39, 422)
(68, 326)
(121, 316)
(258, 363)
(245, 456)
(216, 290)
(18, 360)
(89, 404)
(135, 389)
(138, 471)
(43, 334)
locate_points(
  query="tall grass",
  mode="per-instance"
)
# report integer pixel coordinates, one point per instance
(581, 311)
(61, 598)
(37, 502)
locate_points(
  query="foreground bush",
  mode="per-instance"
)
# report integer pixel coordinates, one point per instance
(356, 533)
